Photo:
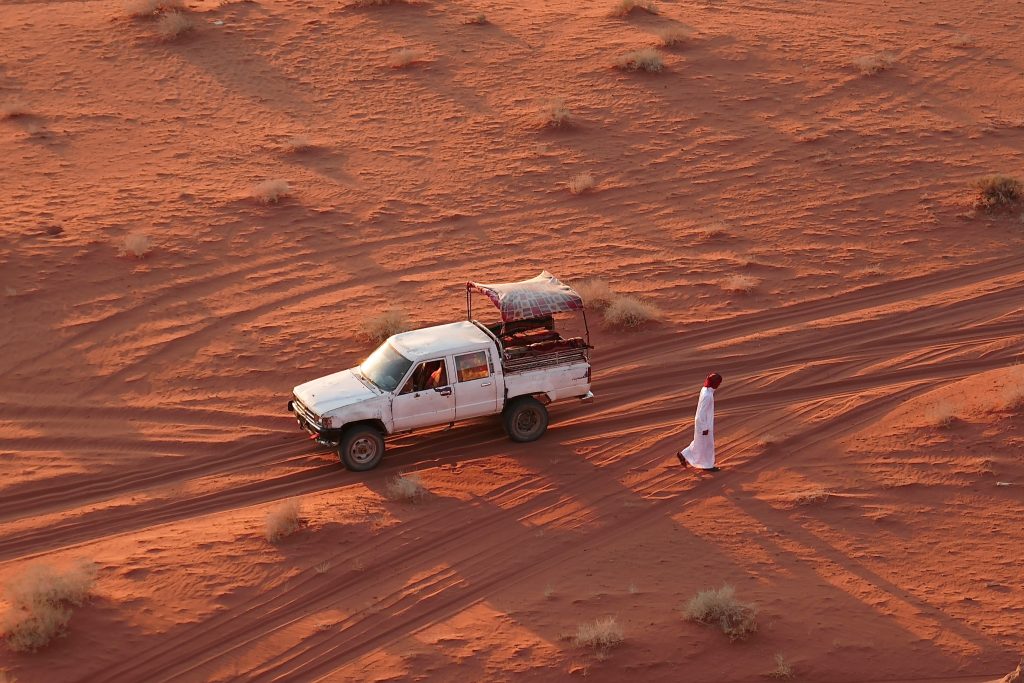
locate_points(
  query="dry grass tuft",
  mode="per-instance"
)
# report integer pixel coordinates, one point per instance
(378, 3)
(962, 40)
(284, 520)
(149, 8)
(478, 19)
(627, 311)
(869, 65)
(14, 107)
(811, 497)
(405, 488)
(623, 8)
(271, 191)
(647, 59)
(407, 56)
(136, 244)
(549, 592)
(743, 284)
(554, 114)
(999, 193)
(782, 670)
(597, 294)
(40, 599)
(603, 634)
(388, 323)
(298, 144)
(174, 25)
(581, 182)
(715, 230)
(941, 415)
(737, 620)
(673, 36)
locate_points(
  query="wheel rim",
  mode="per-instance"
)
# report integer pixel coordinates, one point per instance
(363, 450)
(526, 421)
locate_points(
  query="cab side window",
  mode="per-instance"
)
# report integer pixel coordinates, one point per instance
(472, 366)
(430, 374)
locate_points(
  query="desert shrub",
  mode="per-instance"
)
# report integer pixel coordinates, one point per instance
(13, 108)
(283, 520)
(744, 284)
(647, 59)
(811, 497)
(271, 191)
(962, 40)
(298, 144)
(869, 65)
(377, 3)
(597, 294)
(736, 619)
(174, 25)
(603, 634)
(40, 601)
(999, 192)
(407, 56)
(782, 670)
(673, 36)
(627, 311)
(148, 8)
(624, 8)
(554, 114)
(477, 19)
(714, 230)
(136, 244)
(581, 182)
(405, 488)
(388, 323)
(941, 415)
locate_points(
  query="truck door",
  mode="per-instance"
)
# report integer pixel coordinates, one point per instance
(426, 399)
(476, 391)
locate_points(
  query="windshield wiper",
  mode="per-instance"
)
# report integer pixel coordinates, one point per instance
(368, 379)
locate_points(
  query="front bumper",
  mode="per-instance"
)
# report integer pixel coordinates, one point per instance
(310, 423)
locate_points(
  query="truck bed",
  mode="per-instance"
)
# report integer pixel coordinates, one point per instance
(560, 355)
(536, 345)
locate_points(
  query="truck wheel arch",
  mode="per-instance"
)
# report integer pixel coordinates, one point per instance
(376, 424)
(544, 397)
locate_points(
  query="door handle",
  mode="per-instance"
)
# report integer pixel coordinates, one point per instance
(444, 391)
(485, 384)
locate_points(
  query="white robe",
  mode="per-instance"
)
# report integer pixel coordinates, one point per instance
(701, 451)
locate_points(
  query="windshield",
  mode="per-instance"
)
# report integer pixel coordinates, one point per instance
(385, 367)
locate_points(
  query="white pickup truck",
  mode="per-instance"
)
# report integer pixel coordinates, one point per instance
(440, 375)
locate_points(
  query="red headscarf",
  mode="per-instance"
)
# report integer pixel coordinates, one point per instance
(713, 380)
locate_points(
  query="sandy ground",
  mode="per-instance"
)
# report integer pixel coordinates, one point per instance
(804, 229)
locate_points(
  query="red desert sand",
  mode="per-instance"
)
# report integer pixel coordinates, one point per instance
(791, 197)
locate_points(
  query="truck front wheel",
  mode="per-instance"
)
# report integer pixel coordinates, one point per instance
(361, 448)
(525, 418)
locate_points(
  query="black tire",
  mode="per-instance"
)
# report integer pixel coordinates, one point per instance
(361, 448)
(525, 419)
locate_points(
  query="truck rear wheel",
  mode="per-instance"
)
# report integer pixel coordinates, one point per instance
(525, 419)
(361, 448)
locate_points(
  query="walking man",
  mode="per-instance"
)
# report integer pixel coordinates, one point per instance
(701, 451)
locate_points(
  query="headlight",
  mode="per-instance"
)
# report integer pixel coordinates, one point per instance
(328, 422)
